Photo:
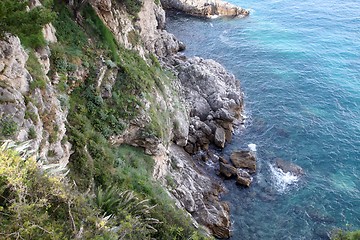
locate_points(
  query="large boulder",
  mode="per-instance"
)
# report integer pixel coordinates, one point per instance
(244, 159)
(243, 178)
(220, 137)
(227, 170)
(286, 167)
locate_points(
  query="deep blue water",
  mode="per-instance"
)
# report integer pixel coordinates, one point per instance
(299, 67)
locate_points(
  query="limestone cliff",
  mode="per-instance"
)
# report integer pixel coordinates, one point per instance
(28, 112)
(196, 105)
(205, 8)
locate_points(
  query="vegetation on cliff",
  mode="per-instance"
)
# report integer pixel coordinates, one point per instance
(27, 25)
(109, 192)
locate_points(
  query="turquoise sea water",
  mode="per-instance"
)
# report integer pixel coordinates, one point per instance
(299, 67)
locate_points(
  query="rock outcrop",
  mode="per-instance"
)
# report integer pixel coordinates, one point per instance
(244, 159)
(289, 167)
(205, 109)
(205, 8)
(214, 100)
(31, 114)
(198, 194)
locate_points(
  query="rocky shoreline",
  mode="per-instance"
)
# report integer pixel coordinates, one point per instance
(214, 103)
(204, 111)
(205, 8)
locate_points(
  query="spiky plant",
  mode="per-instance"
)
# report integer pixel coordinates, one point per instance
(25, 150)
(131, 214)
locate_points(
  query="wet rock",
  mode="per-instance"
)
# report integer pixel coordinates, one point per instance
(223, 160)
(220, 137)
(227, 170)
(244, 159)
(286, 166)
(243, 178)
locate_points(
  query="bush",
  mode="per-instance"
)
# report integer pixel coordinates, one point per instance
(35, 70)
(346, 235)
(8, 127)
(27, 25)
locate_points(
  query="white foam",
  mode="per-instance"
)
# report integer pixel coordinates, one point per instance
(252, 147)
(282, 180)
(214, 16)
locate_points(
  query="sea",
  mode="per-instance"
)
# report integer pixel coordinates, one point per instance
(298, 63)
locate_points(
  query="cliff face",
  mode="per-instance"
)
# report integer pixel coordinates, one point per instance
(29, 112)
(198, 104)
(205, 8)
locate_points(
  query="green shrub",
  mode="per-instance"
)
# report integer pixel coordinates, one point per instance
(8, 127)
(133, 38)
(133, 7)
(97, 27)
(346, 235)
(32, 133)
(35, 70)
(27, 25)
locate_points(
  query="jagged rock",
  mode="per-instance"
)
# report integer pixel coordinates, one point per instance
(244, 159)
(223, 160)
(104, 5)
(12, 64)
(200, 107)
(243, 178)
(220, 137)
(286, 166)
(205, 8)
(197, 193)
(190, 148)
(227, 170)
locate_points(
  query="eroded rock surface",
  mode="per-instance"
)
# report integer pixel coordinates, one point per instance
(198, 193)
(244, 159)
(205, 8)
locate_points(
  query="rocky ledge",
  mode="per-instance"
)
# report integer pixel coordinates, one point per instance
(214, 100)
(205, 8)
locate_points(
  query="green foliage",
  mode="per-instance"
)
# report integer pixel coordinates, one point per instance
(8, 127)
(133, 38)
(133, 7)
(97, 166)
(35, 70)
(346, 235)
(32, 133)
(97, 28)
(15, 19)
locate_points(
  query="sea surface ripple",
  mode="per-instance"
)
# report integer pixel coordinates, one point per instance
(299, 67)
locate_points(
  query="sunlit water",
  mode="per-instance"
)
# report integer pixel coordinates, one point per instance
(299, 66)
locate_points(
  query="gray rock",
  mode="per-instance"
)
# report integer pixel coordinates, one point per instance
(286, 166)
(244, 159)
(220, 137)
(199, 194)
(205, 8)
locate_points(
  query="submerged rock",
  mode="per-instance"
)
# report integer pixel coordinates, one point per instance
(244, 159)
(286, 167)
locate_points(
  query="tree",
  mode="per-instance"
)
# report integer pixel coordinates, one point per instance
(16, 19)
